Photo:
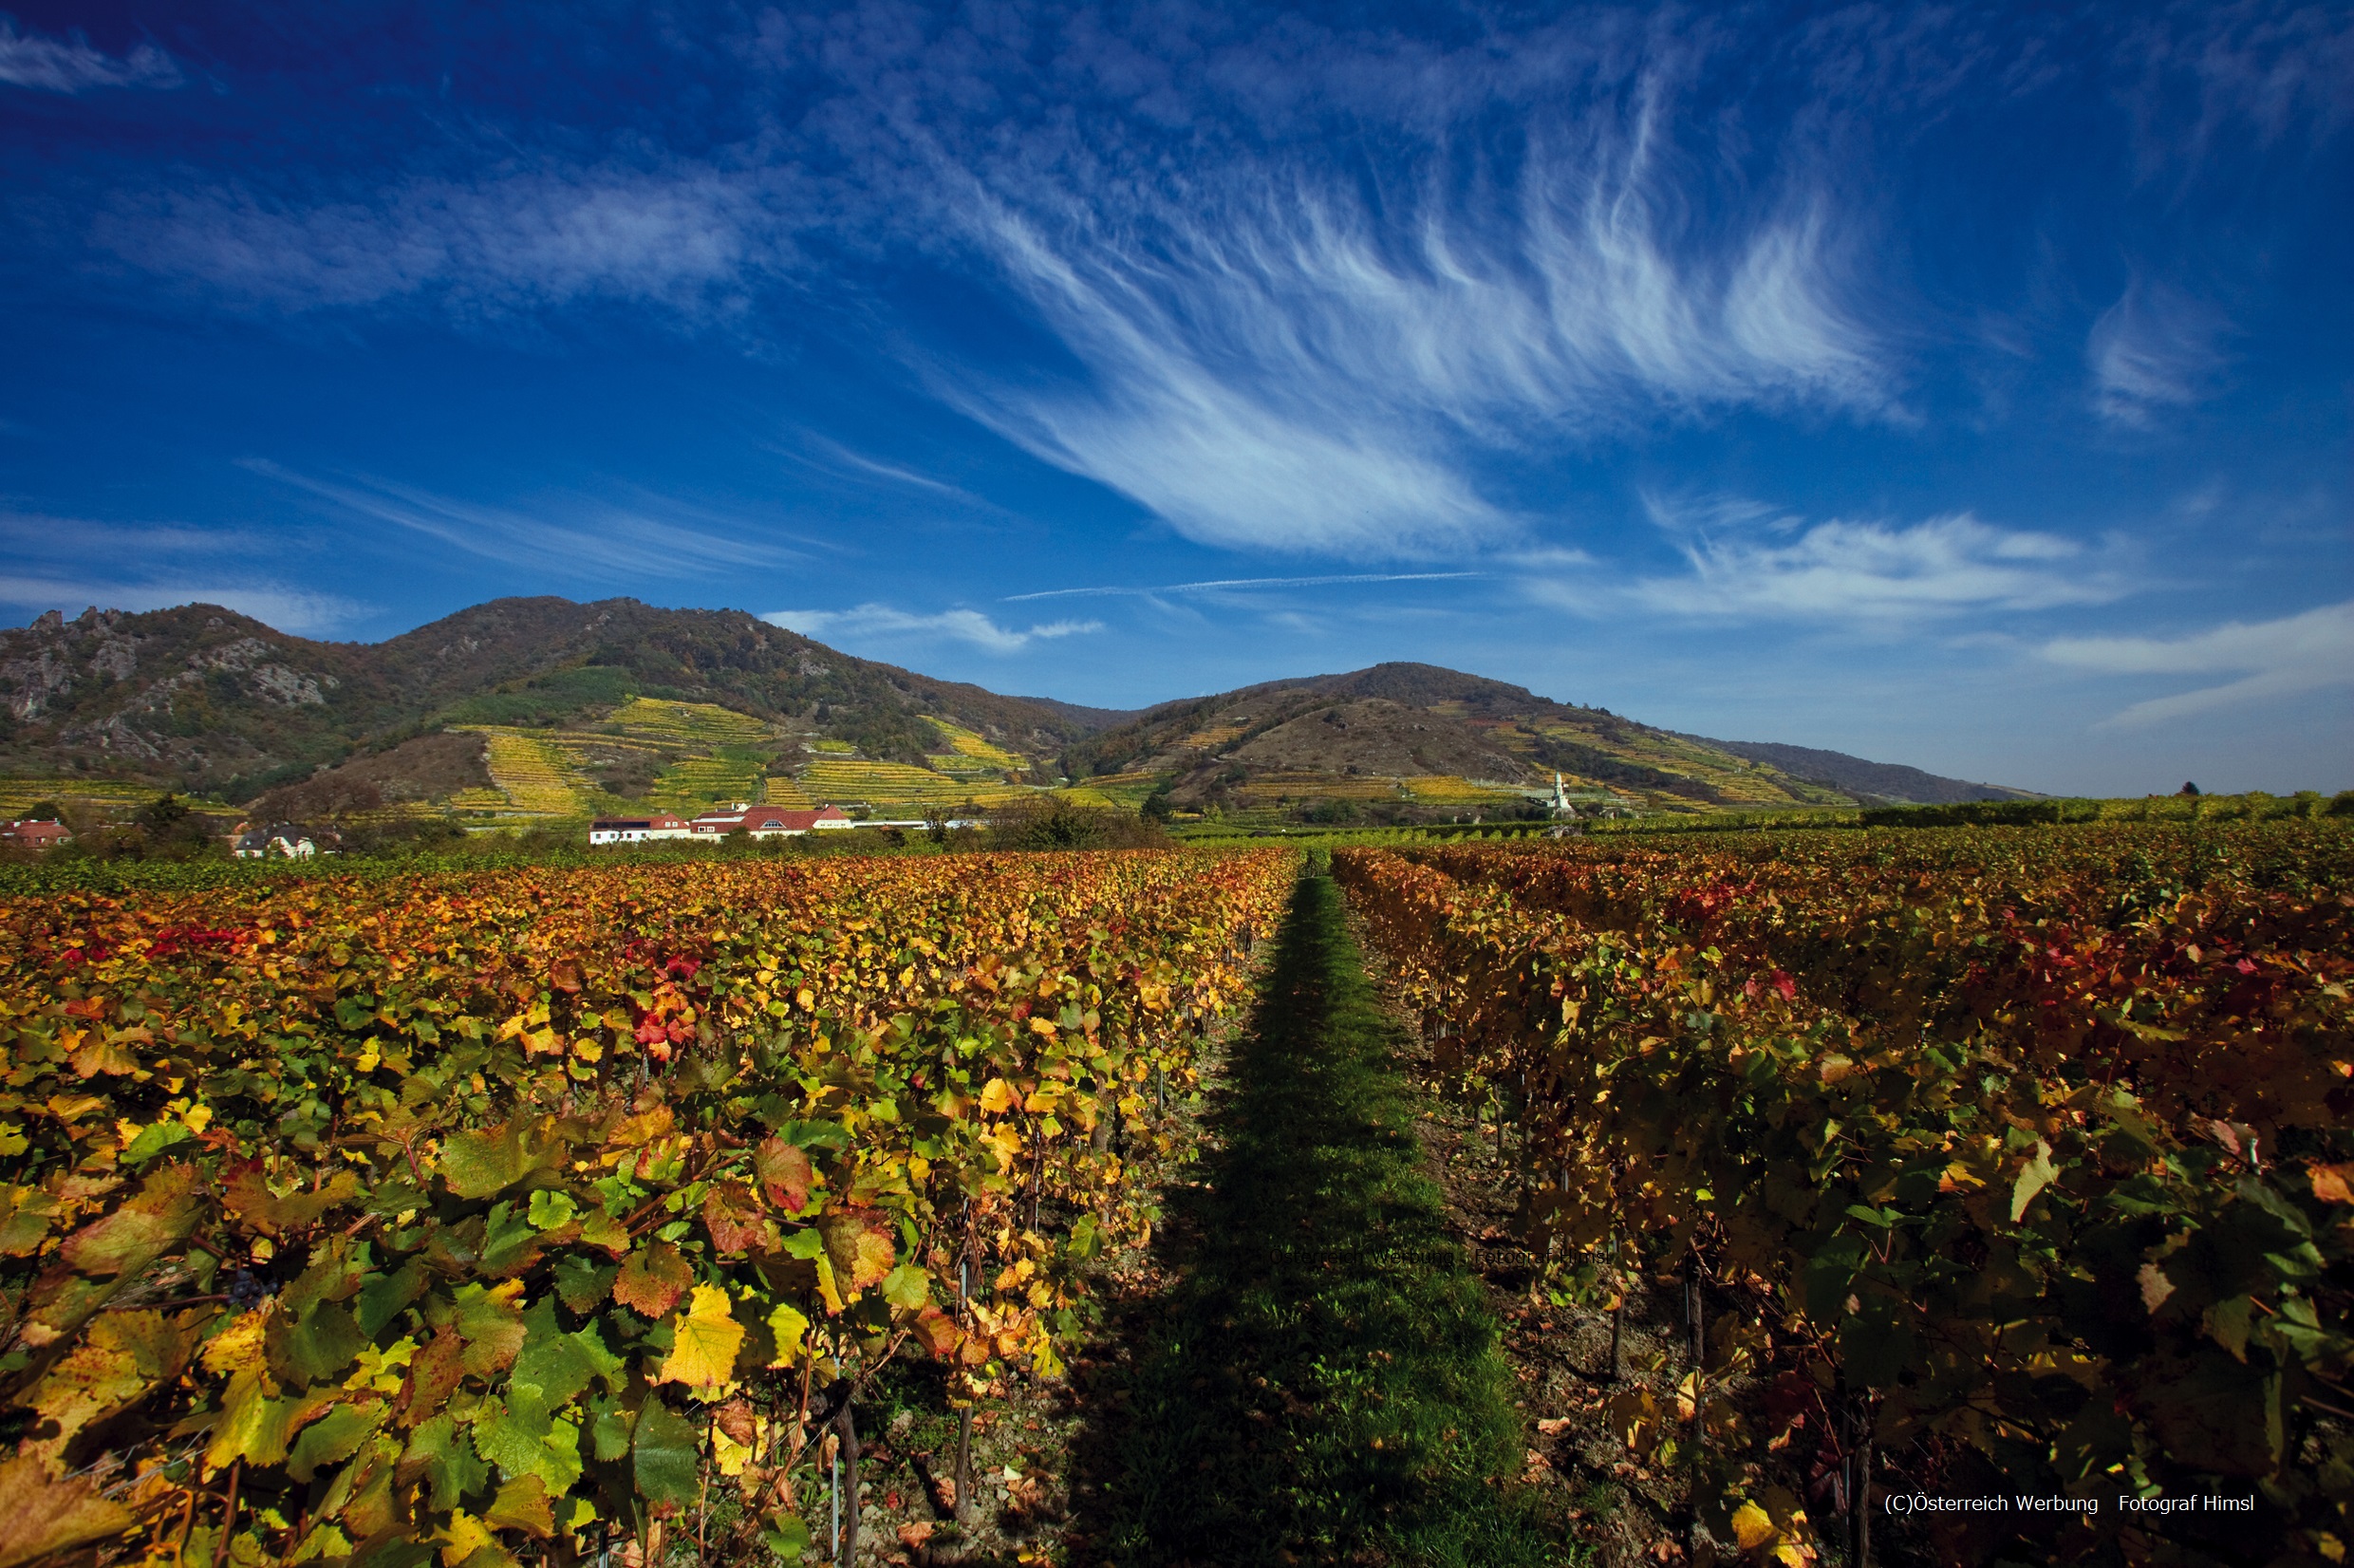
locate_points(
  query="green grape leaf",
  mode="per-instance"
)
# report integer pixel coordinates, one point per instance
(441, 1455)
(664, 1455)
(561, 1365)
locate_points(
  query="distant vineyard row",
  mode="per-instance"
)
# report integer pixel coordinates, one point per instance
(358, 1219)
(2019, 1156)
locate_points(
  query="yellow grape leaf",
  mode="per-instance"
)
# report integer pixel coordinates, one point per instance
(252, 1425)
(125, 1354)
(241, 1343)
(2037, 1174)
(467, 1535)
(827, 1290)
(704, 1342)
(2334, 1184)
(788, 1326)
(730, 1455)
(997, 1097)
(634, 1131)
(164, 1210)
(45, 1514)
(522, 1505)
(874, 1259)
(1752, 1526)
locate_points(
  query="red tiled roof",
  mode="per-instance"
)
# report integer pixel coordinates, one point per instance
(768, 819)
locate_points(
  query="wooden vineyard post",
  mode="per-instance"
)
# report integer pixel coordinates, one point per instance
(1618, 1308)
(702, 1493)
(967, 1510)
(846, 1484)
(1695, 1340)
(1859, 1481)
(1696, 1345)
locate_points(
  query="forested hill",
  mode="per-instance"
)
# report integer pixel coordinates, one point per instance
(203, 699)
(1870, 781)
(563, 707)
(1443, 733)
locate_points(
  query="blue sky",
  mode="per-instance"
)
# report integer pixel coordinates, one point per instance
(1950, 385)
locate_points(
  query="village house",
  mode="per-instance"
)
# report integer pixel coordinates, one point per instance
(638, 830)
(33, 834)
(760, 821)
(282, 839)
(769, 821)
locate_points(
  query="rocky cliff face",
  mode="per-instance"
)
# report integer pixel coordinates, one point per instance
(189, 692)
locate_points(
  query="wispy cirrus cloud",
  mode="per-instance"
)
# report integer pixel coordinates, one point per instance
(40, 534)
(1221, 585)
(2156, 348)
(1309, 312)
(298, 611)
(882, 623)
(576, 537)
(1747, 561)
(1274, 360)
(685, 234)
(69, 65)
(2295, 654)
(841, 456)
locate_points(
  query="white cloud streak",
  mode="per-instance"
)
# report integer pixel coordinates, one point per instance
(70, 64)
(1249, 334)
(893, 472)
(1225, 584)
(597, 539)
(880, 623)
(1745, 562)
(2155, 347)
(289, 610)
(2274, 659)
(1274, 363)
(690, 236)
(36, 534)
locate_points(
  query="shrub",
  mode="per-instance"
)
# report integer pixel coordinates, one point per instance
(1044, 823)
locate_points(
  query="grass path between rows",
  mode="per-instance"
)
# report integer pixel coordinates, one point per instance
(1322, 1384)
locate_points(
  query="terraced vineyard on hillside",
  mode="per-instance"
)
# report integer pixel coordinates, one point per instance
(687, 757)
(885, 784)
(18, 794)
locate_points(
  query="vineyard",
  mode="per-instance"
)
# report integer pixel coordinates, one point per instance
(1984, 1161)
(362, 1220)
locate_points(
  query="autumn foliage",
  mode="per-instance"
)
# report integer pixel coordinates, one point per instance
(2017, 1155)
(361, 1220)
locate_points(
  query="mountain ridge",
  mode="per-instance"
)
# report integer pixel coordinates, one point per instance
(545, 706)
(1891, 782)
(212, 701)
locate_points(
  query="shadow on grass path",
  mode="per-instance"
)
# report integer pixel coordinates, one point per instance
(1321, 1384)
